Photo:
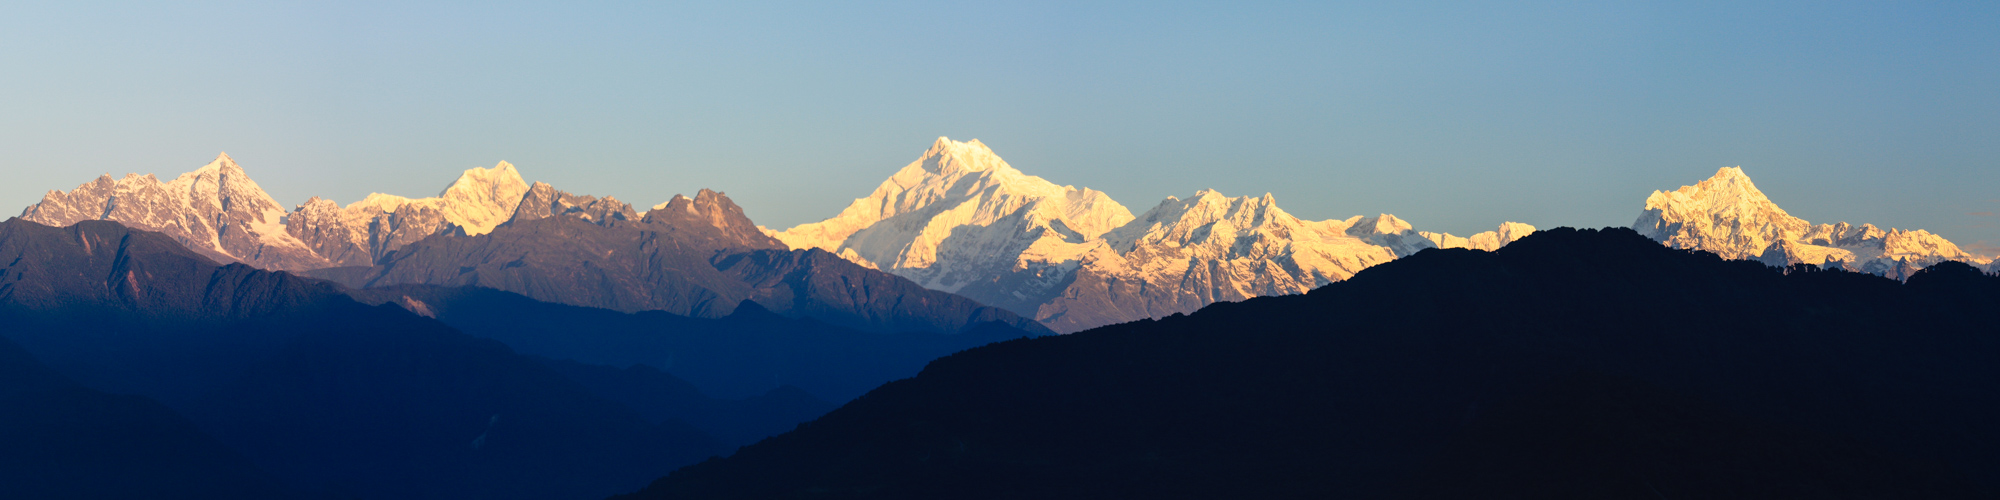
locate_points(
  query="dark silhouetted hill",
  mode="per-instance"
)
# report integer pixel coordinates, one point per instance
(1570, 364)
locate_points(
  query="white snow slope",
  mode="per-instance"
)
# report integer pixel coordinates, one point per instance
(960, 219)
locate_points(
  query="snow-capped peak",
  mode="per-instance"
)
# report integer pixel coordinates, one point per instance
(953, 184)
(948, 157)
(215, 209)
(1207, 216)
(1380, 224)
(1727, 215)
(479, 200)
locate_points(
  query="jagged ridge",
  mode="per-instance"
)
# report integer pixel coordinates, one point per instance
(962, 220)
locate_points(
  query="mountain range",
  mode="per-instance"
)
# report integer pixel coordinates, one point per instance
(506, 339)
(961, 219)
(691, 256)
(957, 223)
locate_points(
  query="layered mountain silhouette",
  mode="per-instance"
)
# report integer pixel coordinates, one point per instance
(505, 339)
(332, 397)
(962, 220)
(959, 220)
(690, 256)
(695, 257)
(1568, 364)
(340, 391)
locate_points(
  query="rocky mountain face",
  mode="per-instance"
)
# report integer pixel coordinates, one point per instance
(691, 256)
(216, 210)
(360, 233)
(544, 201)
(960, 219)
(1728, 216)
(695, 256)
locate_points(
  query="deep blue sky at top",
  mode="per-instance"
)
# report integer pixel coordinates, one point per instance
(1453, 116)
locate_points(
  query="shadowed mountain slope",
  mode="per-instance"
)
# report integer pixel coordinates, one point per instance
(59, 439)
(746, 354)
(1598, 359)
(329, 395)
(662, 397)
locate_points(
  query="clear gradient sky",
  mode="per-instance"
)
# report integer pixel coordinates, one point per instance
(1453, 116)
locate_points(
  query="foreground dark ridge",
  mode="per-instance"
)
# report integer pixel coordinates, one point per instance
(1570, 364)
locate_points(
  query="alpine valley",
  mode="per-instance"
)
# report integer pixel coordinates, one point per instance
(968, 330)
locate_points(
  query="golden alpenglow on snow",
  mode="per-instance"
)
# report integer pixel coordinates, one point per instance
(215, 210)
(960, 219)
(1727, 215)
(218, 211)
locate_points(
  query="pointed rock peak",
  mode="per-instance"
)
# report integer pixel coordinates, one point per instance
(713, 214)
(1728, 183)
(222, 163)
(671, 203)
(750, 309)
(1729, 195)
(1733, 179)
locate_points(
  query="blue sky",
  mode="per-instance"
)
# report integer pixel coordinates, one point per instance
(1453, 116)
